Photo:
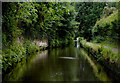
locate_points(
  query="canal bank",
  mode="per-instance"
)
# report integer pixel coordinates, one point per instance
(106, 57)
(24, 47)
(20, 51)
(70, 63)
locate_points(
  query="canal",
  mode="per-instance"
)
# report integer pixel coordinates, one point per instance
(69, 63)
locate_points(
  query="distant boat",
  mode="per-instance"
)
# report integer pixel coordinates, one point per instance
(68, 57)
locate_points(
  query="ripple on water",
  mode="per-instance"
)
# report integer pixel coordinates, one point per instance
(67, 57)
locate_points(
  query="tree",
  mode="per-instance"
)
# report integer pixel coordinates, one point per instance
(88, 14)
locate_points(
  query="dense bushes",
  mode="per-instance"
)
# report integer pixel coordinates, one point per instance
(37, 20)
(107, 29)
(107, 11)
(59, 42)
(88, 14)
(96, 14)
(34, 20)
(30, 47)
(15, 53)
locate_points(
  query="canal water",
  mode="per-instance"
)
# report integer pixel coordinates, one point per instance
(69, 63)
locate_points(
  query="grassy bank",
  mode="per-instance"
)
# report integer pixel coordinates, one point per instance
(108, 58)
(96, 67)
(16, 53)
(21, 67)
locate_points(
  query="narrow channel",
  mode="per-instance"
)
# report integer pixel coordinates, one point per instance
(69, 63)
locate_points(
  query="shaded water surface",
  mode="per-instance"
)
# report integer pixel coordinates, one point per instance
(59, 64)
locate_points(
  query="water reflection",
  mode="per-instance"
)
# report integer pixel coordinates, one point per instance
(41, 57)
(60, 64)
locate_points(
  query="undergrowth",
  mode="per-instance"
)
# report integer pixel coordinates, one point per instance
(15, 53)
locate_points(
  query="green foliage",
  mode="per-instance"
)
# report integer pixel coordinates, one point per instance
(101, 53)
(38, 21)
(81, 38)
(107, 11)
(106, 29)
(35, 20)
(9, 58)
(12, 55)
(16, 53)
(87, 15)
(30, 47)
(10, 23)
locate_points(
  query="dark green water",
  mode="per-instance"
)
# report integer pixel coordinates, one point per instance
(59, 64)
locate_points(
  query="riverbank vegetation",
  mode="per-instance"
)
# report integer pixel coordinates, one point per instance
(23, 23)
(104, 39)
(107, 57)
(108, 26)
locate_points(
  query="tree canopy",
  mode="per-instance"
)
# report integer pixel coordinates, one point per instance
(37, 20)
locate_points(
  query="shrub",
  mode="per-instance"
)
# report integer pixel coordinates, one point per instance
(30, 47)
(16, 52)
